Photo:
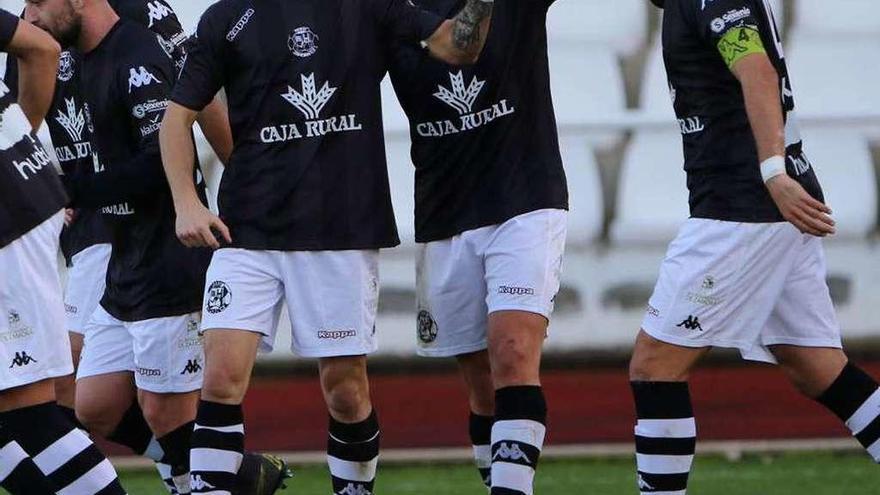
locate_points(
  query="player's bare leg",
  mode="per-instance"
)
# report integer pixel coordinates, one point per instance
(103, 400)
(826, 375)
(477, 375)
(217, 457)
(353, 445)
(515, 342)
(65, 387)
(666, 429)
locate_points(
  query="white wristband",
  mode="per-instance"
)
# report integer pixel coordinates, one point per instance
(771, 167)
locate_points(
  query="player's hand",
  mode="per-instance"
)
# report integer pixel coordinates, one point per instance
(809, 215)
(196, 226)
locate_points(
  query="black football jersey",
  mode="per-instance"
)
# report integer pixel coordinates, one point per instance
(30, 192)
(485, 143)
(126, 81)
(302, 79)
(721, 157)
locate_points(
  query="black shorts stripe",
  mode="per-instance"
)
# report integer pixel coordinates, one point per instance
(663, 482)
(353, 452)
(213, 439)
(662, 400)
(77, 466)
(665, 446)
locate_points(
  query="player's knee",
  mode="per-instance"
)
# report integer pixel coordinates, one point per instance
(225, 385)
(348, 400)
(647, 365)
(98, 419)
(514, 362)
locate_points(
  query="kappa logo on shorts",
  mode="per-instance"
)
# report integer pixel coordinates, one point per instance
(691, 323)
(516, 291)
(427, 327)
(336, 334)
(147, 372)
(21, 359)
(192, 367)
(219, 297)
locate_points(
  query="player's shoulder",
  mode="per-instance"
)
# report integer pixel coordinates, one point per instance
(140, 47)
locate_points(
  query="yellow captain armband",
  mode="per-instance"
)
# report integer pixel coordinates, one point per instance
(739, 42)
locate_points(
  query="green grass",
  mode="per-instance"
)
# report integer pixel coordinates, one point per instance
(792, 474)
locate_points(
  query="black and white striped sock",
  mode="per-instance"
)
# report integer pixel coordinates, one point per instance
(353, 455)
(176, 447)
(134, 433)
(666, 436)
(517, 439)
(855, 398)
(480, 430)
(61, 451)
(18, 473)
(217, 448)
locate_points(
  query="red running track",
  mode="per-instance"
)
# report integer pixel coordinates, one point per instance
(744, 402)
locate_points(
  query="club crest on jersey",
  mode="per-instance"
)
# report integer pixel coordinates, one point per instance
(461, 98)
(310, 102)
(219, 297)
(140, 77)
(65, 66)
(303, 42)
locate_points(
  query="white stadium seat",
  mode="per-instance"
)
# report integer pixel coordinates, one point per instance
(587, 85)
(836, 18)
(842, 160)
(654, 98)
(835, 76)
(621, 25)
(652, 198)
(585, 191)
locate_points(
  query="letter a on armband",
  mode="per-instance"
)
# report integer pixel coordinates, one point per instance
(739, 42)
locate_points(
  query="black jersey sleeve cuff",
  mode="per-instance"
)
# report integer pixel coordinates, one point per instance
(8, 26)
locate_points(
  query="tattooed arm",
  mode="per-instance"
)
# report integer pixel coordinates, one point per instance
(460, 40)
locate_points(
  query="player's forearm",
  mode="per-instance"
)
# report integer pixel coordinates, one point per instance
(178, 154)
(461, 40)
(214, 122)
(37, 55)
(760, 84)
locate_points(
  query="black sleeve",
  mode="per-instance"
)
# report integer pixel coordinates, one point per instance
(204, 69)
(403, 20)
(159, 17)
(716, 18)
(142, 89)
(8, 25)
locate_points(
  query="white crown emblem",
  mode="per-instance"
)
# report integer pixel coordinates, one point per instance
(461, 98)
(311, 101)
(73, 121)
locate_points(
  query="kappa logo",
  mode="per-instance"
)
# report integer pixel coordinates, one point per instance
(303, 42)
(65, 66)
(644, 485)
(21, 359)
(156, 11)
(140, 77)
(354, 489)
(197, 483)
(192, 367)
(74, 121)
(219, 297)
(510, 452)
(461, 98)
(691, 323)
(239, 26)
(312, 100)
